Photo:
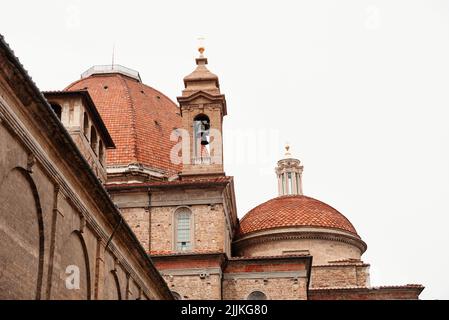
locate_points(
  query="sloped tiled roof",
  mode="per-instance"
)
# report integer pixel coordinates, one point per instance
(293, 211)
(139, 118)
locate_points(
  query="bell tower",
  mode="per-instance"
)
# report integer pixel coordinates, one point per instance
(202, 109)
(289, 174)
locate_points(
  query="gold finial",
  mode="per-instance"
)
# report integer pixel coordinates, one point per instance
(201, 45)
(287, 150)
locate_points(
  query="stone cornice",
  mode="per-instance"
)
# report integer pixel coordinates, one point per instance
(265, 275)
(412, 287)
(190, 255)
(296, 235)
(219, 98)
(202, 272)
(134, 169)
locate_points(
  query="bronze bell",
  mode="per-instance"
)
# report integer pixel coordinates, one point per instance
(204, 141)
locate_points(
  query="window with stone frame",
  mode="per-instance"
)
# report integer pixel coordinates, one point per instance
(183, 229)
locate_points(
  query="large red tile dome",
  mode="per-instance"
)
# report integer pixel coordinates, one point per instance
(139, 118)
(294, 211)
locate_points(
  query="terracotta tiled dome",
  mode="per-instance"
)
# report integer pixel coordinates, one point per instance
(139, 118)
(294, 211)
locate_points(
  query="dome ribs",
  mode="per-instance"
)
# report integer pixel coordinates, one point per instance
(132, 111)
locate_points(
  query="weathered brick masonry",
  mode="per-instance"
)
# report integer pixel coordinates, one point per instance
(56, 219)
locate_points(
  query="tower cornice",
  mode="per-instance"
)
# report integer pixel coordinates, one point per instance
(211, 98)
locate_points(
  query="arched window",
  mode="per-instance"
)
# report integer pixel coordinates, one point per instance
(101, 151)
(176, 295)
(86, 125)
(57, 109)
(257, 295)
(201, 125)
(183, 226)
(93, 138)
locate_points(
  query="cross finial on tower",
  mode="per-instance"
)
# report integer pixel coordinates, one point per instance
(113, 55)
(201, 47)
(287, 150)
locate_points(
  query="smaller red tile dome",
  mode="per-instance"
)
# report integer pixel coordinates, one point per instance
(294, 211)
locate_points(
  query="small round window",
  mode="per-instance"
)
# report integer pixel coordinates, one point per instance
(257, 295)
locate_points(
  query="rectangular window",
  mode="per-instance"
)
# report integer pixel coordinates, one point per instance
(283, 184)
(183, 235)
(297, 183)
(290, 183)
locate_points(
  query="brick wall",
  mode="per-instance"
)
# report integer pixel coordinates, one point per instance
(194, 287)
(192, 276)
(349, 275)
(278, 278)
(208, 228)
(209, 234)
(19, 238)
(139, 221)
(23, 212)
(292, 289)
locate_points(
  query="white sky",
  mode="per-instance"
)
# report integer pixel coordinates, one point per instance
(358, 88)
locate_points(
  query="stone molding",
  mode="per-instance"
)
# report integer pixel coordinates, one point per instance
(135, 168)
(297, 235)
(201, 272)
(265, 275)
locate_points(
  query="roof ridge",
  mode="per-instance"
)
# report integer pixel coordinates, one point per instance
(72, 84)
